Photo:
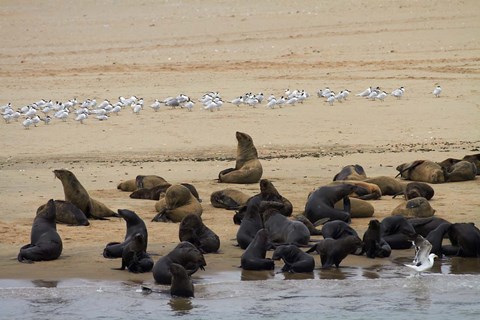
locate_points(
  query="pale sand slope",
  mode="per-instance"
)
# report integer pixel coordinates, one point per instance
(92, 49)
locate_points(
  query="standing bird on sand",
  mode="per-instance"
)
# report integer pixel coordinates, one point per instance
(81, 117)
(423, 258)
(436, 92)
(398, 93)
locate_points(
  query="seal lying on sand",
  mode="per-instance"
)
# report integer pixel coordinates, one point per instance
(135, 225)
(333, 251)
(254, 256)
(193, 230)
(68, 213)
(230, 199)
(358, 208)
(458, 170)
(351, 172)
(295, 260)
(45, 242)
(142, 181)
(364, 191)
(248, 168)
(178, 203)
(388, 185)
(475, 159)
(417, 189)
(156, 193)
(78, 196)
(421, 170)
(184, 254)
(414, 208)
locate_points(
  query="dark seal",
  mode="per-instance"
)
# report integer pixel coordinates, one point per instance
(373, 243)
(254, 257)
(193, 230)
(333, 251)
(397, 232)
(182, 285)
(296, 261)
(465, 239)
(135, 257)
(67, 213)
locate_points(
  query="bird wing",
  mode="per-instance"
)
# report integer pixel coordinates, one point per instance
(423, 252)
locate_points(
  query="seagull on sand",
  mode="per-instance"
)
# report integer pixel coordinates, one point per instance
(398, 93)
(423, 258)
(436, 92)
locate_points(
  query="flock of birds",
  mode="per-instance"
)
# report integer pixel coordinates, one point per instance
(46, 111)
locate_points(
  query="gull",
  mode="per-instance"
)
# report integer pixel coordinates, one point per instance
(189, 105)
(423, 258)
(116, 109)
(156, 105)
(31, 112)
(7, 118)
(345, 94)
(46, 119)
(237, 101)
(259, 97)
(103, 104)
(398, 93)
(182, 98)
(26, 123)
(381, 96)
(436, 92)
(331, 98)
(173, 102)
(81, 117)
(373, 94)
(291, 101)
(16, 115)
(102, 117)
(271, 97)
(137, 108)
(365, 93)
(35, 120)
(62, 114)
(281, 101)
(339, 96)
(271, 104)
(252, 102)
(6, 106)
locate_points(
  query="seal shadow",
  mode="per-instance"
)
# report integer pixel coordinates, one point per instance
(180, 305)
(298, 276)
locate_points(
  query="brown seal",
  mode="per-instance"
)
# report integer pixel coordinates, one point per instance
(388, 185)
(475, 159)
(414, 208)
(178, 203)
(351, 172)
(67, 213)
(365, 190)
(248, 168)
(155, 193)
(422, 170)
(458, 170)
(76, 194)
(230, 199)
(141, 181)
(358, 208)
(417, 189)
(193, 230)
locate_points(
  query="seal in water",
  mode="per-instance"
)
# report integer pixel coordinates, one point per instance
(296, 261)
(193, 230)
(248, 168)
(182, 285)
(333, 251)
(45, 242)
(184, 254)
(254, 256)
(134, 225)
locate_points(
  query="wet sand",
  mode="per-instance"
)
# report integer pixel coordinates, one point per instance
(156, 50)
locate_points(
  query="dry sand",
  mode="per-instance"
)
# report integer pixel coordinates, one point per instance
(105, 49)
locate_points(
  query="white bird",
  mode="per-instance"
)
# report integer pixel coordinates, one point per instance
(7, 118)
(271, 104)
(281, 102)
(27, 123)
(36, 120)
(292, 101)
(102, 117)
(381, 95)
(331, 98)
(156, 105)
(116, 109)
(398, 93)
(81, 117)
(345, 94)
(137, 108)
(423, 258)
(436, 92)
(189, 105)
(46, 119)
(365, 93)
(62, 114)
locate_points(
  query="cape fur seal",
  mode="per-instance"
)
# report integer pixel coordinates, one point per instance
(135, 257)
(193, 230)
(230, 199)
(67, 213)
(397, 232)
(458, 170)
(182, 285)
(337, 229)
(78, 196)
(184, 254)
(423, 226)
(358, 208)
(475, 159)
(295, 260)
(333, 251)
(45, 242)
(414, 208)
(388, 185)
(254, 257)
(249, 225)
(178, 203)
(351, 172)
(269, 193)
(435, 237)
(248, 168)
(465, 239)
(155, 193)
(364, 191)
(422, 170)
(373, 243)
(417, 189)
(141, 181)
(135, 225)
(320, 203)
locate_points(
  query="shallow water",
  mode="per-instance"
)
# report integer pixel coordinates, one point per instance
(450, 289)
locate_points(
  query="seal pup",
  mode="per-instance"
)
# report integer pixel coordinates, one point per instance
(320, 203)
(333, 251)
(67, 213)
(337, 229)
(182, 285)
(296, 261)
(423, 258)
(421, 170)
(78, 196)
(460, 170)
(280, 229)
(248, 168)
(423, 226)
(310, 226)
(416, 189)
(397, 232)
(135, 225)
(269, 193)
(184, 254)
(465, 239)
(135, 257)
(45, 242)
(373, 243)
(193, 230)
(414, 208)
(178, 203)
(230, 199)
(351, 172)
(254, 257)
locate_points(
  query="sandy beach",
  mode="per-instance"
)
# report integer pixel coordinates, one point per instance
(106, 49)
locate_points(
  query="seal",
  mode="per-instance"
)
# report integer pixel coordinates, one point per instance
(178, 203)
(156, 192)
(351, 172)
(320, 203)
(414, 208)
(230, 199)
(465, 239)
(45, 242)
(460, 170)
(475, 159)
(337, 229)
(269, 193)
(249, 226)
(182, 285)
(79, 197)
(184, 254)
(280, 229)
(364, 191)
(435, 237)
(135, 257)
(423, 226)
(193, 230)
(248, 168)
(296, 261)
(254, 256)
(67, 213)
(373, 243)
(141, 181)
(310, 226)
(417, 189)
(388, 185)
(397, 232)
(135, 225)
(358, 208)
(333, 251)
(421, 170)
